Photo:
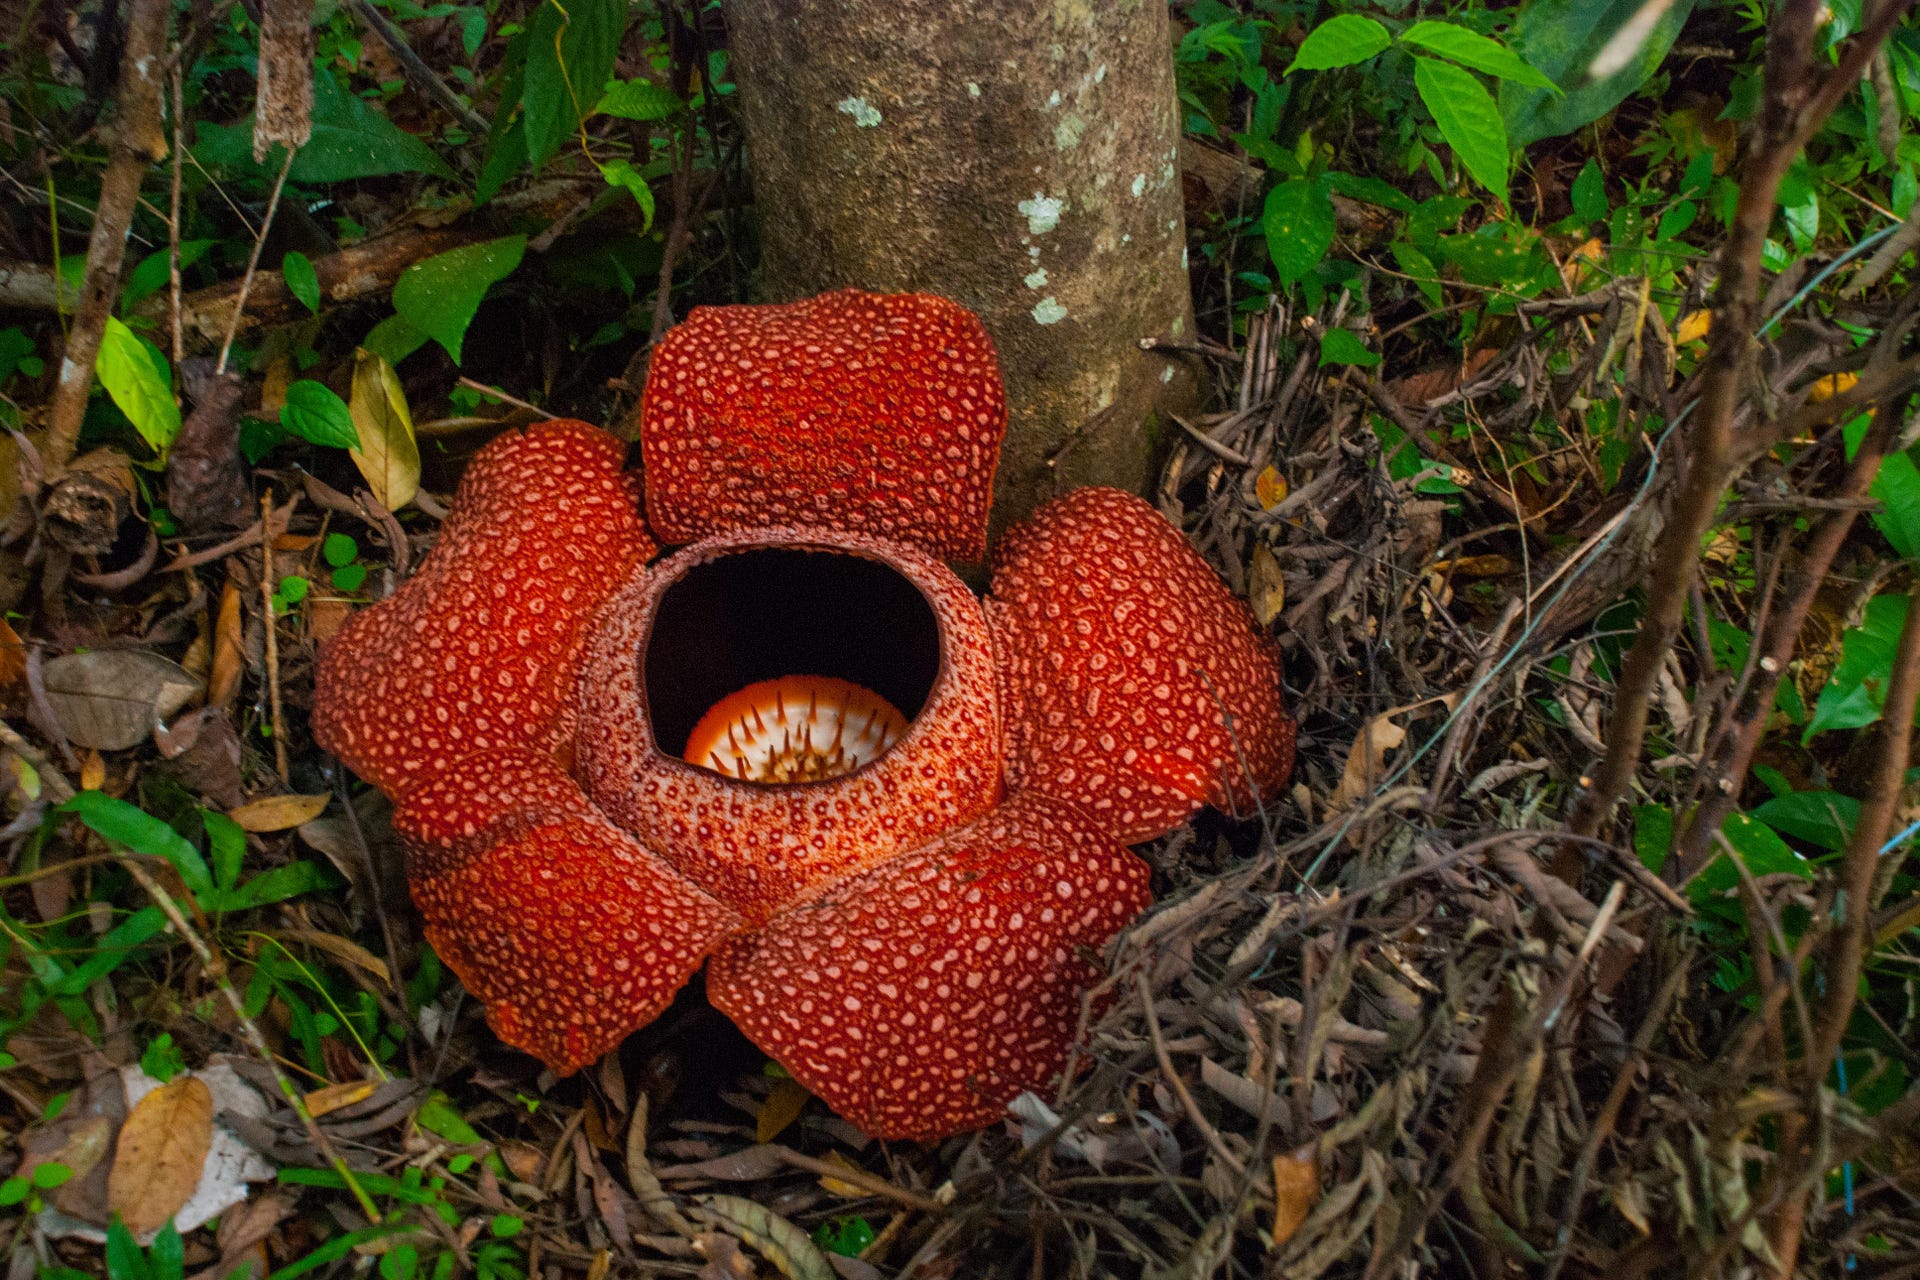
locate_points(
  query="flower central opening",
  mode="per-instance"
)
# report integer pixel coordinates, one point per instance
(795, 729)
(779, 665)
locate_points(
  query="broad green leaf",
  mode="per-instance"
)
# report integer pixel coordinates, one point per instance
(1298, 222)
(393, 339)
(1471, 49)
(141, 832)
(638, 100)
(438, 1116)
(1426, 276)
(570, 53)
(1652, 835)
(302, 281)
(154, 271)
(1856, 692)
(1371, 190)
(1343, 346)
(1590, 193)
(1561, 38)
(439, 295)
(277, 885)
(114, 948)
(1468, 120)
(1823, 818)
(314, 413)
(351, 139)
(1340, 42)
(388, 456)
(619, 173)
(140, 381)
(123, 1257)
(227, 843)
(1897, 489)
(1762, 851)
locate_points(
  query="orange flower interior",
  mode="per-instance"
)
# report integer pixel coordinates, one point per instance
(795, 729)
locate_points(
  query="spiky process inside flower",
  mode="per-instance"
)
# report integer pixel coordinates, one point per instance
(795, 729)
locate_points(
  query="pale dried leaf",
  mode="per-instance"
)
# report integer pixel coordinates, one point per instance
(229, 652)
(388, 456)
(786, 1246)
(162, 1151)
(279, 813)
(111, 699)
(1266, 590)
(330, 1098)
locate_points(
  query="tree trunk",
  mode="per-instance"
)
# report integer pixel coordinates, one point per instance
(1019, 158)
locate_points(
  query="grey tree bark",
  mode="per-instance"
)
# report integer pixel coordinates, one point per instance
(1018, 157)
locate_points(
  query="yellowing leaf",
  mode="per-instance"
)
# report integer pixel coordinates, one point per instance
(388, 456)
(1270, 487)
(1581, 261)
(1696, 326)
(847, 1190)
(782, 1108)
(93, 770)
(279, 813)
(1266, 589)
(335, 1096)
(1296, 1189)
(163, 1146)
(1830, 386)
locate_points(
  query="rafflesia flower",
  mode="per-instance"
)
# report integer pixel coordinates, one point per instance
(890, 818)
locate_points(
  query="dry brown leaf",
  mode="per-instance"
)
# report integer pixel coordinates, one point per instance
(345, 950)
(229, 658)
(1266, 589)
(1580, 263)
(13, 657)
(93, 771)
(845, 1190)
(781, 1108)
(1490, 566)
(1296, 1189)
(1367, 757)
(163, 1147)
(330, 1098)
(279, 813)
(388, 456)
(111, 699)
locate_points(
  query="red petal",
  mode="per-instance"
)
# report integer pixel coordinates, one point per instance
(870, 413)
(572, 934)
(917, 998)
(1121, 656)
(479, 648)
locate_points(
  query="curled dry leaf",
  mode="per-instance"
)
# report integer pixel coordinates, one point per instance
(1367, 757)
(1296, 1189)
(279, 813)
(111, 699)
(388, 456)
(781, 1243)
(163, 1147)
(229, 654)
(331, 1098)
(1266, 590)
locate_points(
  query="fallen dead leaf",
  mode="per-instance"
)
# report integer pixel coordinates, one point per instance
(1697, 325)
(1266, 589)
(1296, 1189)
(1270, 487)
(1490, 566)
(388, 456)
(13, 657)
(279, 813)
(345, 950)
(1367, 757)
(845, 1190)
(1830, 386)
(781, 1108)
(331, 1098)
(163, 1147)
(111, 699)
(229, 658)
(93, 771)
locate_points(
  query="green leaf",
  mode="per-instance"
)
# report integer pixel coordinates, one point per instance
(1471, 49)
(438, 1116)
(570, 55)
(154, 271)
(1371, 190)
(1468, 120)
(1561, 38)
(162, 1059)
(122, 823)
(316, 414)
(302, 281)
(124, 1260)
(1298, 222)
(1897, 489)
(1343, 346)
(1426, 276)
(1652, 835)
(619, 173)
(339, 549)
(13, 1191)
(393, 339)
(166, 1257)
(1856, 692)
(1822, 818)
(638, 100)
(505, 1226)
(113, 949)
(277, 885)
(1762, 851)
(50, 1175)
(349, 577)
(439, 295)
(1340, 42)
(140, 381)
(1590, 193)
(351, 139)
